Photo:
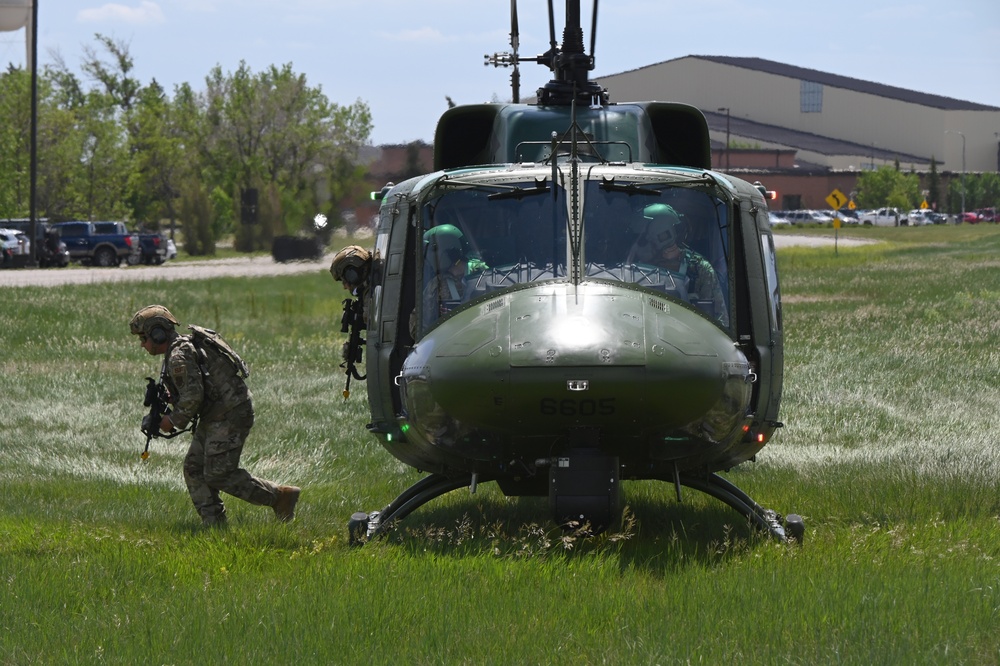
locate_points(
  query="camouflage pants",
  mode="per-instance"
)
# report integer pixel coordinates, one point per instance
(212, 465)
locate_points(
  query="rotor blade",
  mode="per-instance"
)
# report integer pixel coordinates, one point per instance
(513, 28)
(593, 32)
(552, 28)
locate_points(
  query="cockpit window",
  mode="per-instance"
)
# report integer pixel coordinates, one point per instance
(476, 239)
(667, 238)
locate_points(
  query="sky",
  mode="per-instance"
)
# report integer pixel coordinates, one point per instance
(404, 58)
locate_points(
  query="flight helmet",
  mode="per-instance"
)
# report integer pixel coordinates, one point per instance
(351, 264)
(155, 322)
(663, 226)
(443, 246)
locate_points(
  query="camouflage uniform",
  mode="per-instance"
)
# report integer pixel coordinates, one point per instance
(224, 406)
(701, 280)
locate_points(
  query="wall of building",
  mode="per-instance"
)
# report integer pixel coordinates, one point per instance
(847, 115)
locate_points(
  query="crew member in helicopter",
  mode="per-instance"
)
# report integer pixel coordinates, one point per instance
(447, 263)
(659, 244)
(351, 267)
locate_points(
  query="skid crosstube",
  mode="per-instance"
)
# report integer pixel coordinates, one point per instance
(365, 526)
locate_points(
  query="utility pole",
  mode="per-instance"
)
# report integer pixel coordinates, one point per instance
(726, 109)
(963, 168)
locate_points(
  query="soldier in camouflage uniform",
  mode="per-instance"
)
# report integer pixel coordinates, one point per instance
(206, 387)
(351, 267)
(662, 243)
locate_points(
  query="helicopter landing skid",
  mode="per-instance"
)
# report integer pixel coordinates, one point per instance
(365, 526)
(791, 529)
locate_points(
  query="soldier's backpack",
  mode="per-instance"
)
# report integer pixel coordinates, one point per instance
(206, 337)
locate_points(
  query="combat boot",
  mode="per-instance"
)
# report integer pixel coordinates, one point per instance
(218, 520)
(284, 506)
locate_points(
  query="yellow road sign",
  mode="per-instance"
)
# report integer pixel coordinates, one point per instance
(836, 199)
(923, 205)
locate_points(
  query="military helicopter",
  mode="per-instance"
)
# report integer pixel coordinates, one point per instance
(571, 300)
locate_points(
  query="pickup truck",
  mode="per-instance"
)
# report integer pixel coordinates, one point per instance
(152, 248)
(87, 245)
(883, 217)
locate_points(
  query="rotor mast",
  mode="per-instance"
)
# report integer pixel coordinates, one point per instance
(569, 63)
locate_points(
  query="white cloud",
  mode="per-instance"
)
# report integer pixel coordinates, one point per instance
(146, 12)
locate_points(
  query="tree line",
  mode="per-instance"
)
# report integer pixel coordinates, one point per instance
(253, 154)
(888, 186)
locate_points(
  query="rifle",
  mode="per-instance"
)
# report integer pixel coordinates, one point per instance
(353, 322)
(158, 400)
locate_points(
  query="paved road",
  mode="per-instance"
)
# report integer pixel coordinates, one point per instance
(258, 266)
(187, 270)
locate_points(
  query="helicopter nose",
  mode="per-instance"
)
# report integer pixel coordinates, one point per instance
(545, 360)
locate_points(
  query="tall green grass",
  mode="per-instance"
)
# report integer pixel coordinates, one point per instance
(891, 406)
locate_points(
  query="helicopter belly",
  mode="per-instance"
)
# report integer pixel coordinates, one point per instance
(532, 365)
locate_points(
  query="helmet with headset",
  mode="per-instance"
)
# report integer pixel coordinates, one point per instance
(155, 322)
(351, 265)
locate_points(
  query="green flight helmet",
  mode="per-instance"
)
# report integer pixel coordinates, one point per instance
(663, 226)
(443, 246)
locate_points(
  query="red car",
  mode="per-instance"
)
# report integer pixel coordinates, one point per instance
(988, 215)
(969, 218)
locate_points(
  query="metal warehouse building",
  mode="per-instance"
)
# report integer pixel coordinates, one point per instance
(812, 131)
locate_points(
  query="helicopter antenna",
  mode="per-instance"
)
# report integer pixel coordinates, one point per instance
(510, 59)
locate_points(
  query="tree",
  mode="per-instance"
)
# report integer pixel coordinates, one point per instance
(887, 186)
(158, 157)
(15, 109)
(123, 150)
(273, 128)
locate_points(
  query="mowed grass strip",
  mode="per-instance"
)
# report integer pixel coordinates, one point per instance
(889, 451)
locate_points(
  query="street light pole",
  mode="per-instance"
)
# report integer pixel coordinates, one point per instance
(726, 109)
(963, 168)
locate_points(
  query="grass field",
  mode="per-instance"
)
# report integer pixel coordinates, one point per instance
(890, 452)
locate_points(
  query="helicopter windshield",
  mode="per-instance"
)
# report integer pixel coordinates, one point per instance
(668, 237)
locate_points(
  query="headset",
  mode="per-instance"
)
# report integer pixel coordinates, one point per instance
(158, 334)
(352, 275)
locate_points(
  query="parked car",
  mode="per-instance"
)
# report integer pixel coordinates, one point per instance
(15, 248)
(49, 248)
(988, 215)
(919, 217)
(776, 217)
(883, 217)
(969, 217)
(845, 215)
(808, 217)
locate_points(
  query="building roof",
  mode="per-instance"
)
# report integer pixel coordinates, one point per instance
(748, 129)
(838, 81)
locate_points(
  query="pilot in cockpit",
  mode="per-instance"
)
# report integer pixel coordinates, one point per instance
(446, 264)
(659, 243)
